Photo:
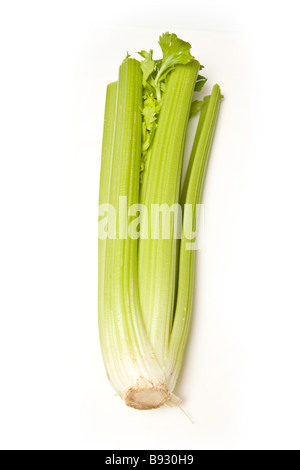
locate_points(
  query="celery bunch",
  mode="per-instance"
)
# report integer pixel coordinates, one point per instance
(146, 282)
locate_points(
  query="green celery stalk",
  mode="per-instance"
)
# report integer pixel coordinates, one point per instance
(105, 181)
(194, 148)
(193, 190)
(129, 357)
(161, 185)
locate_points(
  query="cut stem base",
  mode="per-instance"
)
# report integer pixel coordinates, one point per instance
(147, 395)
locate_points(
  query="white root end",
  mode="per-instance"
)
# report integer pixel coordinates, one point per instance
(147, 395)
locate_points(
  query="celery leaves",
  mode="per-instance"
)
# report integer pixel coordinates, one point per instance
(175, 52)
(195, 107)
(148, 64)
(155, 73)
(200, 82)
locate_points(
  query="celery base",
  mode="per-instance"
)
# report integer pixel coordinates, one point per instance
(147, 395)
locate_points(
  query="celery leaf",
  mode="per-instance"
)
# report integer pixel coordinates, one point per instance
(148, 64)
(175, 51)
(195, 107)
(200, 83)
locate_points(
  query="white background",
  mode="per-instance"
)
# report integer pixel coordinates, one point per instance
(240, 383)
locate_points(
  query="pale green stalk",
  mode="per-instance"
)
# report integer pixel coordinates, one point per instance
(194, 148)
(127, 351)
(105, 180)
(192, 194)
(161, 185)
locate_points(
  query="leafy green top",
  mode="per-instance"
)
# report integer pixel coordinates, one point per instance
(155, 81)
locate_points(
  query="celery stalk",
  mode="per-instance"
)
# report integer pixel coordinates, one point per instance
(129, 358)
(194, 187)
(194, 149)
(161, 185)
(105, 180)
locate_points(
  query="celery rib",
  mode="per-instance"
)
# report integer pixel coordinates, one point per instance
(105, 180)
(161, 185)
(126, 349)
(194, 187)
